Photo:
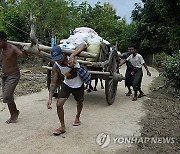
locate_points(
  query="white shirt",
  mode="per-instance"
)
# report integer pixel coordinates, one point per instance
(73, 83)
(136, 61)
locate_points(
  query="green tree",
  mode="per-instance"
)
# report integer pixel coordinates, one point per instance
(51, 17)
(157, 25)
(12, 21)
(127, 35)
(60, 17)
(103, 19)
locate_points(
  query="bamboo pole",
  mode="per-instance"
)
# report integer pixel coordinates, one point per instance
(68, 52)
(22, 44)
(40, 47)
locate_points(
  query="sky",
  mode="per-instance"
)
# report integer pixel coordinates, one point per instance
(123, 7)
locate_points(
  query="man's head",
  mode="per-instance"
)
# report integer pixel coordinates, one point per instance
(132, 49)
(3, 39)
(56, 54)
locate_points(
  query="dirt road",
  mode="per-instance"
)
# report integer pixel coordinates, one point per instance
(32, 133)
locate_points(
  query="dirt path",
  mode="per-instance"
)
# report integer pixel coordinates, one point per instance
(32, 133)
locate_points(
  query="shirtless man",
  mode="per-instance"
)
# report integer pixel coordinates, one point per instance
(10, 74)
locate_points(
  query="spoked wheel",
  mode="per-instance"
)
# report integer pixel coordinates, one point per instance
(49, 77)
(110, 84)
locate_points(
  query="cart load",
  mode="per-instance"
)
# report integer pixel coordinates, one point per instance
(89, 37)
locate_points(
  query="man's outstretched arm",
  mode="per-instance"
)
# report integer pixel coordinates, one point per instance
(148, 73)
(77, 51)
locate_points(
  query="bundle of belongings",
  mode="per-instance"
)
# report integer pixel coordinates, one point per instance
(86, 35)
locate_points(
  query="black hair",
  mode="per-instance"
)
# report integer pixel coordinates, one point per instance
(133, 46)
(3, 35)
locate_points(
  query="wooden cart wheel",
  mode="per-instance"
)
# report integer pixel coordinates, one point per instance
(49, 76)
(110, 84)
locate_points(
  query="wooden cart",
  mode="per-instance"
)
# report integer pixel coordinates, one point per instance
(106, 68)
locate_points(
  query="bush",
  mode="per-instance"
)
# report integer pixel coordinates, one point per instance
(171, 67)
(160, 58)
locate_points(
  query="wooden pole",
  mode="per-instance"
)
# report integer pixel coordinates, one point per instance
(22, 44)
(95, 64)
(40, 47)
(91, 72)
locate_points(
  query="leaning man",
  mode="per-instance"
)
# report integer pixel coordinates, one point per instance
(10, 74)
(72, 84)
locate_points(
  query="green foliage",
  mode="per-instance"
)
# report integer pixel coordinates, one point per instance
(14, 24)
(161, 55)
(154, 28)
(60, 17)
(51, 17)
(160, 58)
(172, 70)
(12, 21)
(128, 33)
(103, 19)
(158, 26)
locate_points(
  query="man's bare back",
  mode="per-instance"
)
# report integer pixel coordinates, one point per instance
(9, 59)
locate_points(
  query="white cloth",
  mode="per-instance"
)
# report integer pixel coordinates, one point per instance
(73, 83)
(136, 61)
(84, 30)
(82, 35)
(78, 38)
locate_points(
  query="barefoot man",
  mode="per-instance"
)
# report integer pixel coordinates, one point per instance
(10, 74)
(72, 84)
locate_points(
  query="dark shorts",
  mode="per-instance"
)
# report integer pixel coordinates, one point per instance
(78, 93)
(9, 83)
